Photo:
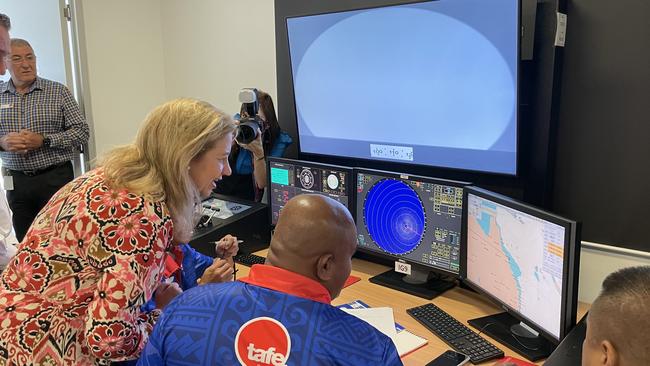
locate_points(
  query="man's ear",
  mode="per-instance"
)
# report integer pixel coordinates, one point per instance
(609, 356)
(325, 267)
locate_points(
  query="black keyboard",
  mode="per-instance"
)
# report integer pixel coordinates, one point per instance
(455, 333)
(249, 259)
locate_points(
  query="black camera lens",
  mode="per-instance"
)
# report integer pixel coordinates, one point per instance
(247, 132)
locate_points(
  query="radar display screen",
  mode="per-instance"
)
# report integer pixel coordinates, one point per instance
(409, 217)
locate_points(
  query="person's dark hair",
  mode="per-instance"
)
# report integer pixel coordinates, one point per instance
(267, 107)
(5, 21)
(621, 313)
(632, 281)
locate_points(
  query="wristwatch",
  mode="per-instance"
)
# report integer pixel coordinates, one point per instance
(47, 141)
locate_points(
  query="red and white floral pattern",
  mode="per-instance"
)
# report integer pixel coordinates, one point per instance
(72, 294)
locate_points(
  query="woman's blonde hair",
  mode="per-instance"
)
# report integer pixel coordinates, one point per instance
(156, 164)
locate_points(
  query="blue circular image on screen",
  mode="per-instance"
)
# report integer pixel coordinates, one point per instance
(394, 216)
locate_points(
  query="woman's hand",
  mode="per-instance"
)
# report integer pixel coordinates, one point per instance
(165, 293)
(227, 247)
(221, 270)
(255, 147)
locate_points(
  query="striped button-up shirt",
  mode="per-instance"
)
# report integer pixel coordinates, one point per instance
(47, 108)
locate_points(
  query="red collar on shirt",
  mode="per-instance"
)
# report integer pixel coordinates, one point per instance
(174, 263)
(279, 279)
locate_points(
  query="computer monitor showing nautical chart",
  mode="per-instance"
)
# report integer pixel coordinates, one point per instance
(526, 260)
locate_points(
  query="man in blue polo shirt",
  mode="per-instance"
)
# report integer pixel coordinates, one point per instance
(281, 313)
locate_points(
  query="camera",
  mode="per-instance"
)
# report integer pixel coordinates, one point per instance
(249, 123)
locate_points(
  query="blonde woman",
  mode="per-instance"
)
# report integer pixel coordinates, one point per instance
(94, 254)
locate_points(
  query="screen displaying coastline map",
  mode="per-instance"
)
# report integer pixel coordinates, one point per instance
(517, 258)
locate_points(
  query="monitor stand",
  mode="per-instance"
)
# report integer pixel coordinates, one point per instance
(509, 331)
(419, 283)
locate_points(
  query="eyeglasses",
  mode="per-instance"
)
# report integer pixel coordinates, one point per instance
(17, 60)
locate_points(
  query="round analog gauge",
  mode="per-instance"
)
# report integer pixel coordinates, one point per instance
(332, 181)
(306, 179)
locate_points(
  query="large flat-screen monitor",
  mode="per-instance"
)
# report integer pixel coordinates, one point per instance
(431, 83)
(414, 220)
(526, 260)
(288, 178)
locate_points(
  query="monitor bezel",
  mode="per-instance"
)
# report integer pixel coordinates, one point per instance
(364, 161)
(347, 170)
(405, 176)
(570, 269)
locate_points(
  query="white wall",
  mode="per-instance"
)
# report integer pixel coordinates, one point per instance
(141, 53)
(39, 22)
(123, 56)
(597, 261)
(214, 48)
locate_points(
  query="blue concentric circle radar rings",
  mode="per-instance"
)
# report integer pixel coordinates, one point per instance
(394, 216)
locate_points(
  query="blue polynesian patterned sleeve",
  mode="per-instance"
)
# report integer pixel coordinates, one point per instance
(194, 264)
(151, 354)
(391, 357)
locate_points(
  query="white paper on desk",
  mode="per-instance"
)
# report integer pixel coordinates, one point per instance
(382, 319)
(407, 342)
(224, 209)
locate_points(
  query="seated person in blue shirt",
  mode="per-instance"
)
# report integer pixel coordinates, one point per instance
(281, 313)
(248, 163)
(618, 324)
(187, 268)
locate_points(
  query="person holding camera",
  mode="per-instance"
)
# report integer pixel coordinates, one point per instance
(248, 160)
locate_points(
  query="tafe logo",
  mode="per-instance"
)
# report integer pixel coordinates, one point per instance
(262, 341)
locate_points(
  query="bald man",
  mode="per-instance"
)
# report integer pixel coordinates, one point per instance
(281, 313)
(618, 324)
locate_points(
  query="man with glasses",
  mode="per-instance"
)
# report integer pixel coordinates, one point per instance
(40, 127)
